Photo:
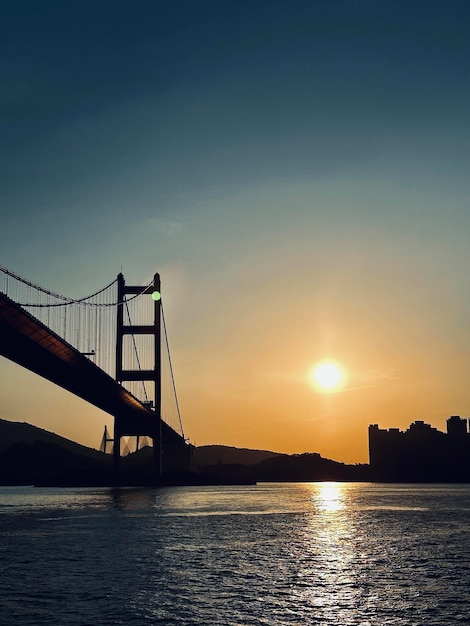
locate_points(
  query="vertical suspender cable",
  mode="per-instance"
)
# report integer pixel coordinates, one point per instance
(136, 354)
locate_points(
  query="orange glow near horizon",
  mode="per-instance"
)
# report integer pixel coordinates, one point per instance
(254, 387)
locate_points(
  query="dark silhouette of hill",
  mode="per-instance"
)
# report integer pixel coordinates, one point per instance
(44, 463)
(31, 455)
(213, 455)
(306, 467)
(21, 432)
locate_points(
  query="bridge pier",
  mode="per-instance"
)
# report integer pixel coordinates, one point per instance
(116, 453)
(157, 451)
(123, 428)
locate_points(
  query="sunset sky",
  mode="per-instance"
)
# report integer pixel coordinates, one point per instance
(297, 172)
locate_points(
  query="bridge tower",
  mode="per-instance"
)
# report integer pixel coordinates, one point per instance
(123, 426)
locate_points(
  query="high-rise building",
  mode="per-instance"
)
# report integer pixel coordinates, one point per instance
(422, 453)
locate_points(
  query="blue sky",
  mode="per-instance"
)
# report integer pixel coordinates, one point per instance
(297, 173)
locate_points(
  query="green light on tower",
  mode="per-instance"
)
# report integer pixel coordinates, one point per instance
(156, 295)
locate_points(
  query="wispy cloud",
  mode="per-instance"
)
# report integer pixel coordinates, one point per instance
(169, 227)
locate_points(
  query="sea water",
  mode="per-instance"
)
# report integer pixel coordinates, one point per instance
(280, 554)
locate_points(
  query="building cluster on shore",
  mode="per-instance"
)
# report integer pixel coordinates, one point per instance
(422, 453)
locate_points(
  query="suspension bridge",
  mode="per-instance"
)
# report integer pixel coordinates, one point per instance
(107, 348)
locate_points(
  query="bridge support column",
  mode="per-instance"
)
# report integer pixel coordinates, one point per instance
(117, 452)
(151, 375)
(157, 451)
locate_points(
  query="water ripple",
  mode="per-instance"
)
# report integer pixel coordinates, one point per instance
(281, 555)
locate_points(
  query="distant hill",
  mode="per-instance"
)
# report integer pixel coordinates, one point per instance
(31, 455)
(21, 432)
(42, 463)
(308, 467)
(213, 455)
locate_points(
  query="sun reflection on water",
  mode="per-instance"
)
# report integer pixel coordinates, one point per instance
(327, 567)
(329, 497)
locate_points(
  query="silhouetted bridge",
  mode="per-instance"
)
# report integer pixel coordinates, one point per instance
(75, 343)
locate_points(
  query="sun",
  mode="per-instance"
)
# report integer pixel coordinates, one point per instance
(327, 376)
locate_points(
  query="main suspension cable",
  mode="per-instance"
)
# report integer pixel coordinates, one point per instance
(52, 293)
(171, 371)
(66, 300)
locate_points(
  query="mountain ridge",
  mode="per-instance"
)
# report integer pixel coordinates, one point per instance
(32, 455)
(22, 432)
(213, 454)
